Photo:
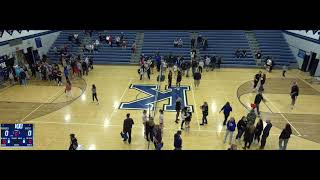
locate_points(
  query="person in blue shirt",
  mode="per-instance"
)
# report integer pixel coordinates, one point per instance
(231, 127)
(226, 111)
(158, 61)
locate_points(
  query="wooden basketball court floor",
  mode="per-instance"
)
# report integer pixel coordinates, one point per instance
(97, 127)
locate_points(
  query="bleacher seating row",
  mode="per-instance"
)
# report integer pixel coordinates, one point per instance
(221, 43)
(224, 43)
(272, 43)
(162, 42)
(105, 54)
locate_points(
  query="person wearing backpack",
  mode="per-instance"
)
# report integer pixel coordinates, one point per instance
(231, 127)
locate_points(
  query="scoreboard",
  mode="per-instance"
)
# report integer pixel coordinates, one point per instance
(16, 135)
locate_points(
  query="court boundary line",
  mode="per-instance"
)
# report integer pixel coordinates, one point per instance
(124, 92)
(299, 77)
(51, 98)
(135, 127)
(283, 116)
(195, 104)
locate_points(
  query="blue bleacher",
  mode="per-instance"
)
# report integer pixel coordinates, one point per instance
(162, 42)
(272, 43)
(224, 43)
(105, 55)
(221, 42)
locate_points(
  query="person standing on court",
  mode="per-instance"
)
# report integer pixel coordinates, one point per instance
(257, 101)
(178, 108)
(231, 127)
(127, 127)
(161, 122)
(188, 118)
(284, 137)
(262, 81)
(196, 77)
(73, 142)
(226, 111)
(68, 89)
(169, 79)
(141, 71)
(150, 128)
(147, 69)
(157, 140)
(205, 112)
(144, 121)
(258, 130)
(179, 78)
(265, 134)
(94, 93)
(294, 93)
(177, 141)
(184, 115)
(241, 126)
(248, 136)
(256, 80)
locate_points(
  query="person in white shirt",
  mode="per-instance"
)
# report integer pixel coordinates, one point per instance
(97, 43)
(144, 121)
(175, 43)
(201, 65)
(87, 60)
(208, 61)
(161, 123)
(180, 43)
(107, 39)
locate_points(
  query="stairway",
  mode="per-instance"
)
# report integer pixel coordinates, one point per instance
(194, 34)
(135, 58)
(254, 45)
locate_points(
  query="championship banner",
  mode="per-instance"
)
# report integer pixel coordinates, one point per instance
(1, 33)
(314, 34)
(10, 32)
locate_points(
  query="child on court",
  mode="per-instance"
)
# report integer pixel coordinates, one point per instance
(94, 93)
(68, 89)
(284, 70)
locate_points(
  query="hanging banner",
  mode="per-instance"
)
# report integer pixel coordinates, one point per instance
(314, 34)
(1, 33)
(10, 32)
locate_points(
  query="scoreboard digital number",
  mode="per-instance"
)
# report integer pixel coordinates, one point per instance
(16, 135)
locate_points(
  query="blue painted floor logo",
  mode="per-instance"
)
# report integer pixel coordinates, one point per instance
(155, 95)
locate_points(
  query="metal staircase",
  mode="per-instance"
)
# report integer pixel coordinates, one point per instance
(254, 45)
(135, 58)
